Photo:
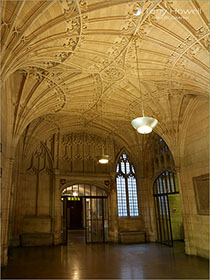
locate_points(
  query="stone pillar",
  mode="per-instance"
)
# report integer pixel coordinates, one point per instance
(113, 218)
(187, 222)
(150, 216)
(19, 208)
(56, 208)
(17, 198)
(146, 206)
(5, 208)
(56, 196)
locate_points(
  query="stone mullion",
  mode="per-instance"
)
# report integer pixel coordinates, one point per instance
(165, 158)
(37, 189)
(56, 150)
(127, 196)
(55, 185)
(71, 148)
(94, 153)
(51, 208)
(83, 152)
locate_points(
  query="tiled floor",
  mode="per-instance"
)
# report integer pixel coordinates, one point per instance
(78, 260)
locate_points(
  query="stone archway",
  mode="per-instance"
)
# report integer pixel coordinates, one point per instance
(85, 206)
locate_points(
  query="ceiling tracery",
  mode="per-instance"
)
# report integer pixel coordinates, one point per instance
(76, 60)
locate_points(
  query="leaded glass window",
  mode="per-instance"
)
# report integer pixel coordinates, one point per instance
(127, 198)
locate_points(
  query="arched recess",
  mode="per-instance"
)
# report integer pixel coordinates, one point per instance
(33, 203)
(168, 208)
(53, 158)
(157, 158)
(130, 217)
(85, 207)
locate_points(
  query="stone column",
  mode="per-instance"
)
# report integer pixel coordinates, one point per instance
(113, 218)
(5, 207)
(150, 218)
(19, 207)
(56, 208)
(187, 223)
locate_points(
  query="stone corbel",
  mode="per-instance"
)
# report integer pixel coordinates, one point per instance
(177, 169)
(56, 171)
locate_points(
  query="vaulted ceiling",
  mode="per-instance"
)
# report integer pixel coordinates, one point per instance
(72, 64)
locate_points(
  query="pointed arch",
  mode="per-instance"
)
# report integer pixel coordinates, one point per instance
(127, 196)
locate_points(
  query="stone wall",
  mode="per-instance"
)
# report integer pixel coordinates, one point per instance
(176, 216)
(78, 152)
(60, 161)
(7, 162)
(130, 224)
(194, 163)
(36, 191)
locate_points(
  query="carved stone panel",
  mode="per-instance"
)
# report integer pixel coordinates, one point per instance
(201, 188)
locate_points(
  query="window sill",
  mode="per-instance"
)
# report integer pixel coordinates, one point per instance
(132, 217)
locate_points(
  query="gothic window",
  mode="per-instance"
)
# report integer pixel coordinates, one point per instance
(127, 199)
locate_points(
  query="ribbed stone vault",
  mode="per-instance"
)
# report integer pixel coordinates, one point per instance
(73, 63)
(71, 87)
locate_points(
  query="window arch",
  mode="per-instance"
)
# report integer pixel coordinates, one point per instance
(127, 199)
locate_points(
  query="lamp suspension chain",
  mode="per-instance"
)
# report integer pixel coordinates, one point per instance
(143, 125)
(137, 64)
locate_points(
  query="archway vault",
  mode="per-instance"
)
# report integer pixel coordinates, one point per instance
(69, 68)
(65, 62)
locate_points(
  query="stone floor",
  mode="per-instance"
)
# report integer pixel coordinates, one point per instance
(78, 260)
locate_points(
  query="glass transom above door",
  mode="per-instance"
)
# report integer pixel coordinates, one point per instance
(84, 190)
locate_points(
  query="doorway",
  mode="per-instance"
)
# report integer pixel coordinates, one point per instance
(96, 219)
(168, 209)
(74, 214)
(85, 208)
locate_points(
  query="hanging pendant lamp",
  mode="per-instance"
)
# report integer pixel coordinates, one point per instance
(103, 159)
(143, 125)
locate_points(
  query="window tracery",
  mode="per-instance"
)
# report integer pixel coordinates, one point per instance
(127, 198)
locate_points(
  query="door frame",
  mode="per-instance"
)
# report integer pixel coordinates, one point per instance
(161, 202)
(64, 222)
(103, 218)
